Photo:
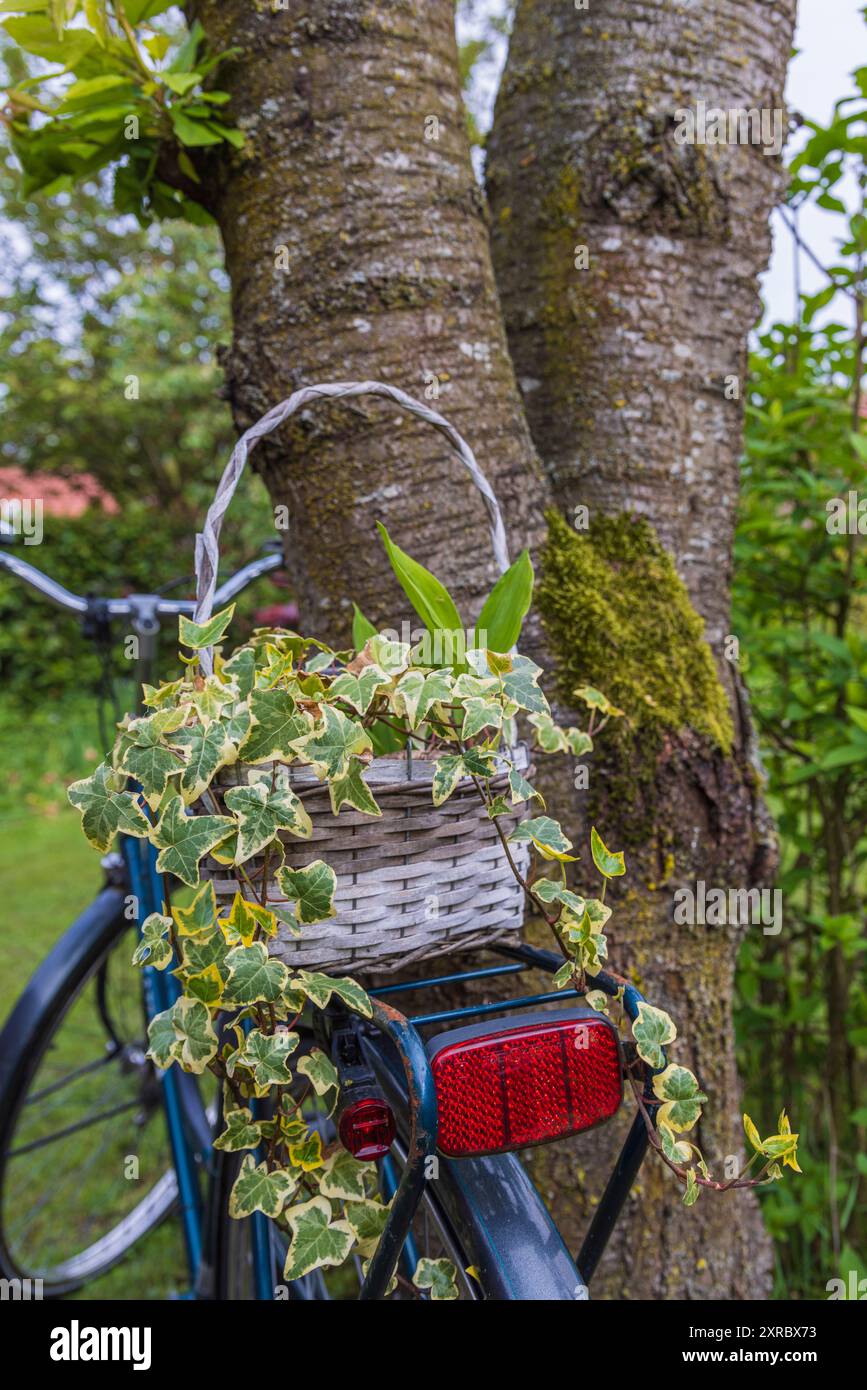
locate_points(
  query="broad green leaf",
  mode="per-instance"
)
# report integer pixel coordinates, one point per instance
(254, 976)
(241, 1132)
(278, 724)
(367, 1219)
(208, 748)
(311, 889)
(358, 691)
(597, 999)
(241, 670)
(549, 736)
(520, 789)
(267, 1055)
(501, 619)
(481, 713)
(320, 1072)
(210, 696)
(317, 1241)
(201, 953)
(361, 628)
(610, 865)
(261, 813)
(549, 891)
(453, 767)
(547, 837)
(392, 656)
(676, 1150)
(352, 790)
(195, 1033)
(521, 685)
(245, 919)
(198, 635)
(594, 699)
(183, 840)
(206, 985)
(165, 1045)
(683, 1100)
(153, 948)
(256, 1189)
(306, 1153)
(430, 599)
(200, 917)
(319, 989)
(331, 745)
(439, 1276)
(106, 809)
(343, 1177)
(652, 1030)
(417, 691)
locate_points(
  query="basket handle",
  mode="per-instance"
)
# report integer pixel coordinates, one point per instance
(208, 540)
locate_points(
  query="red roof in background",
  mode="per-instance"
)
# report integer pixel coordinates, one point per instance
(59, 496)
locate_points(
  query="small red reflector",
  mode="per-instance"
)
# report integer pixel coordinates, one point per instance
(526, 1085)
(366, 1128)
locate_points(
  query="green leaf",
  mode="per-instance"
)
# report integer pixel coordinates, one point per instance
(481, 713)
(199, 918)
(547, 890)
(361, 628)
(208, 748)
(609, 865)
(330, 746)
(153, 948)
(319, 989)
(521, 686)
(241, 670)
(267, 1055)
(683, 1100)
(241, 1132)
(691, 1195)
(546, 835)
(454, 767)
(320, 1071)
(343, 1177)
(198, 635)
(501, 619)
(106, 809)
(183, 840)
(164, 1042)
(430, 599)
(317, 1241)
(146, 757)
(521, 790)
(652, 1030)
(256, 1189)
(311, 889)
(180, 82)
(352, 790)
(278, 725)
(193, 134)
(417, 691)
(368, 1220)
(358, 691)
(195, 1033)
(254, 976)
(675, 1150)
(439, 1276)
(261, 813)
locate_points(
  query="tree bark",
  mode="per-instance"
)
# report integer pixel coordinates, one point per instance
(627, 369)
(357, 166)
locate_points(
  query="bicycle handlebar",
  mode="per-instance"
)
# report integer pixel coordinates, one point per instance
(134, 603)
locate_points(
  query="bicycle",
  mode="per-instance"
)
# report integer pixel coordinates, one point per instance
(452, 1191)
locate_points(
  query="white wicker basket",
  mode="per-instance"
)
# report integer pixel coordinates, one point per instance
(420, 880)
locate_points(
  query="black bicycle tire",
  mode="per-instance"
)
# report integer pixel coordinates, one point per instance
(51, 990)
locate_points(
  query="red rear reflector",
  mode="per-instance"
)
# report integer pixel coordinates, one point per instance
(525, 1085)
(366, 1128)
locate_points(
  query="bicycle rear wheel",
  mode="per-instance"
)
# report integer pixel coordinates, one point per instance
(85, 1165)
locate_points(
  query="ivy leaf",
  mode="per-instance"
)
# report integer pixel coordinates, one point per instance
(321, 1072)
(547, 837)
(316, 1239)
(652, 1030)
(206, 985)
(256, 1189)
(278, 724)
(261, 813)
(549, 736)
(183, 840)
(329, 748)
(358, 691)
(164, 1042)
(307, 1153)
(675, 1150)
(352, 790)
(691, 1195)
(319, 989)
(683, 1100)
(481, 713)
(521, 790)
(501, 619)
(241, 1132)
(245, 919)
(454, 767)
(311, 889)
(198, 635)
(367, 1219)
(547, 890)
(609, 865)
(210, 696)
(431, 600)
(200, 918)
(153, 948)
(597, 999)
(267, 1056)
(200, 955)
(440, 1276)
(241, 670)
(195, 1033)
(208, 747)
(594, 699)
(105, 809)
(343, 1177)
(253, 976)
(417, 691)
(521, 685)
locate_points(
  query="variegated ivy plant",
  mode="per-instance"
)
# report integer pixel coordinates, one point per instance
(282, 699)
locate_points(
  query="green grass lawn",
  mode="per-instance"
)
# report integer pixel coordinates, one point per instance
(48, 873)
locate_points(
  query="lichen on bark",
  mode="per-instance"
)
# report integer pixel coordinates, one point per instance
(619, 617)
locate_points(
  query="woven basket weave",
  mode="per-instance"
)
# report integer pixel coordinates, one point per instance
(420, 880)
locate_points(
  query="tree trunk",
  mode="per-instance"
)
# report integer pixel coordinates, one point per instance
(627, 264)
(357, 245)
